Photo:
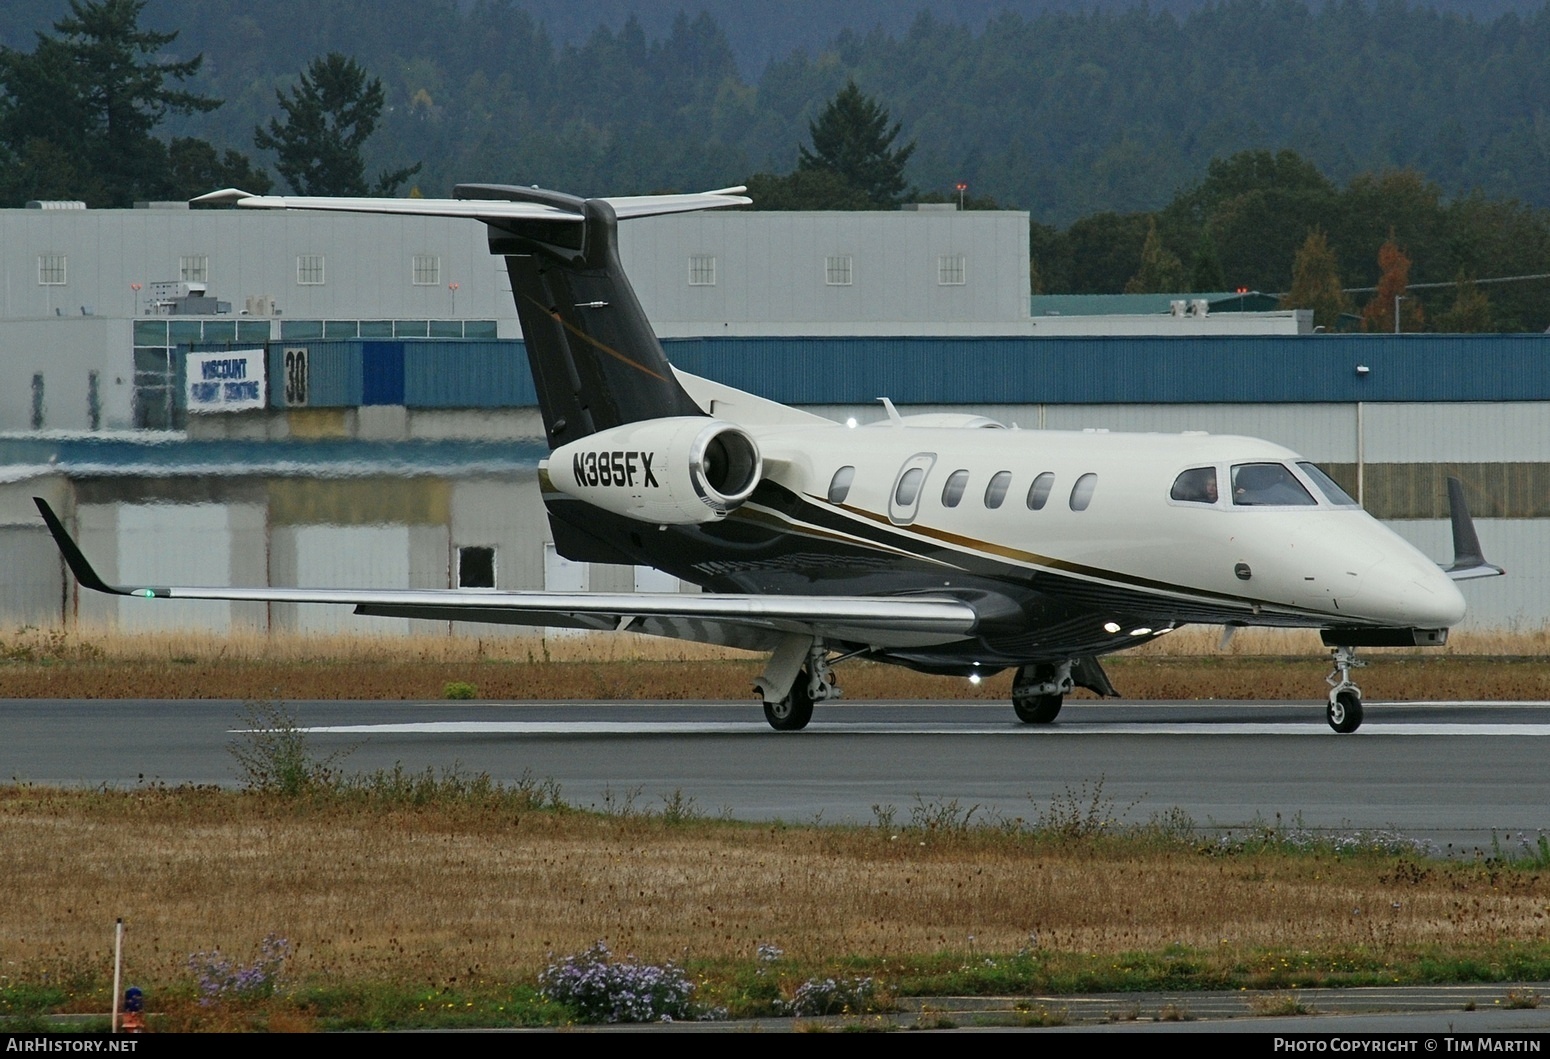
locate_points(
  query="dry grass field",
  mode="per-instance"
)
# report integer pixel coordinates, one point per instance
(422, 904)
(467, 897)
(1257, 664)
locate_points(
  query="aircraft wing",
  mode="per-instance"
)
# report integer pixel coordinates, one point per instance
(755, 622)
(553, 207)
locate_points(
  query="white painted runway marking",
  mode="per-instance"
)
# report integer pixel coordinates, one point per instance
(1368, 730)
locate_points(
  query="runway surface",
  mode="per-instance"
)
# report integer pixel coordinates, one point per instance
(1450, 773)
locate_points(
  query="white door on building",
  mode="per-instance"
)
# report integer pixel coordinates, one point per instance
(650, 579)
(350, 557)
(173, 544)
(564, 575)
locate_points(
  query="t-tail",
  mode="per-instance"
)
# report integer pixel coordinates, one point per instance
(595, 360)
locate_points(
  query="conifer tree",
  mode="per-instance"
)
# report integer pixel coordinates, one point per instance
(1316, 282)
(1161, 270)
(81, 108)
(853, 140)
(329, 116)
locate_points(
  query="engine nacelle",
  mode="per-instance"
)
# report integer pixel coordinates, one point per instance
(675, 471)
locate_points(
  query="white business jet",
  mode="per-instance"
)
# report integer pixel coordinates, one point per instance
(944, 543)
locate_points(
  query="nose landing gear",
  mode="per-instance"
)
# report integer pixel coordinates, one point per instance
(1345, 698)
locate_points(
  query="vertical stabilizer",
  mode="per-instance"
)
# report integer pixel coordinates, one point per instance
(596, 361)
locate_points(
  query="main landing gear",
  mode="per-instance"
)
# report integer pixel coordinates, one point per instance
(812, 682)
(1345, 698)
(1039, 690)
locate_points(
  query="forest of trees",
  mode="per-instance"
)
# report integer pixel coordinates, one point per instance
(1206, 140)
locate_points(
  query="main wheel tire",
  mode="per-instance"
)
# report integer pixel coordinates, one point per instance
(1345, 712)
(791, 713)
(1037, 709)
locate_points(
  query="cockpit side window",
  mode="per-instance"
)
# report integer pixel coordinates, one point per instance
(1328, 486)
(1195, 486)
(1268, 485)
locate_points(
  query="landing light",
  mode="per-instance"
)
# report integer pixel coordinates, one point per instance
(1143, 631)
(1109, 626)
(851, 422)
(974, 678)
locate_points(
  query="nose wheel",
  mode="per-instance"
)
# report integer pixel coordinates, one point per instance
(1344, 712)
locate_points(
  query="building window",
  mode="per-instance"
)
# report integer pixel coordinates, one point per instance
(309, 270)
(837, 271)
(950, 270)
(427, 270)
(51, 270)
(702, 270)
(476, 567)
(194, 268)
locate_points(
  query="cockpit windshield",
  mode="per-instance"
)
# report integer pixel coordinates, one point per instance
(1328, 486)
(1268, 485)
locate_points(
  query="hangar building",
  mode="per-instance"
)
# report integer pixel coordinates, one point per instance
(393, 439)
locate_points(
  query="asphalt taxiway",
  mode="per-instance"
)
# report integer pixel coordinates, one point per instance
(1449, 773)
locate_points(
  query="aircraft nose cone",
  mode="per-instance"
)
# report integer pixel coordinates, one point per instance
(1400, 592)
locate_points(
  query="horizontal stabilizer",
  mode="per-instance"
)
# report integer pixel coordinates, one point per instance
(1469, 560)
(882, 621)
(480, 203)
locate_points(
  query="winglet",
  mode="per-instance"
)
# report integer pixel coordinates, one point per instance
(1468, 557)
(73, 557)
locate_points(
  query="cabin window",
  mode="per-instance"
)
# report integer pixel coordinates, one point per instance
(995, 492)
(1082, 492)
(1038, 492)
(952, 492)
(1195, 486)
(1267, 485)
(839, 485)
(1328, 486)
(909, 487)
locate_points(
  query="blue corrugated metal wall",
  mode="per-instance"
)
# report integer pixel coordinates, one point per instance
(467, 374)
(1270, 369)
(1315, 368)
